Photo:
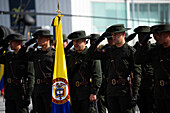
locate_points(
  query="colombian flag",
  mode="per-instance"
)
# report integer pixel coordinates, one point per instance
(2, 79)
(60, 88)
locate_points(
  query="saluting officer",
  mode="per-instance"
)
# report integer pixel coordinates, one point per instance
(43, 60)
(146, 102)
(18, 77)
(159, 57)
(101, 94)
(85, 76)
(121, 91)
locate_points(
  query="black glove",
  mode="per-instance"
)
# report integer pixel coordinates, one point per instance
(4, 48)
(68, 47)
(130, 37)
(134, 99)
(145, 39)
(102, 37)
(31, 41)
(26, 101)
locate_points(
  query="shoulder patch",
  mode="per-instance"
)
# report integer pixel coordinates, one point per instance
(103, 50)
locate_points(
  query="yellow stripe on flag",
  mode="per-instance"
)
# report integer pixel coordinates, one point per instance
(1, 71)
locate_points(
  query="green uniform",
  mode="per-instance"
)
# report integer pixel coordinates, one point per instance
(102, 104)
(43, 66)
(146, 102)
(159, 57)
(120, 65)
(79, 72)
(17, 70)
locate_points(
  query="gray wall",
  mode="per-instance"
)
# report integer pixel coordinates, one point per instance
(4, 19)
(50, 6)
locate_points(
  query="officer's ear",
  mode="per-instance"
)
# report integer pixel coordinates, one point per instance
(123, 33)
(48, 38)
(84, 40)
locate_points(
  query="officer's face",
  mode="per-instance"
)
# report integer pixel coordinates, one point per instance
(43, 41)
(14, 45)
(156, 37)
(165, 36)
(119, 37)
(160, 38)
(111, 41)
(79, 45)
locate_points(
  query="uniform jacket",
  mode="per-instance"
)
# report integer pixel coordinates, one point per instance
(123, 59)
(88, 68)
(17, 67)
(45, 66)
(160, 59)
(147, 81)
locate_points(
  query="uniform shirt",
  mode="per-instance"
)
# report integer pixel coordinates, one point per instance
(147, 81)
(123, 58)
(89, 68)
(45, 66)
(156, 55)
(16, 66)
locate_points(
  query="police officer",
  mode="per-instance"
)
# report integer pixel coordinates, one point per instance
(18, 77)
(121, 94)
(43, 60)
(85, 76)
(101, 95)
(146, 102)
(159, 57)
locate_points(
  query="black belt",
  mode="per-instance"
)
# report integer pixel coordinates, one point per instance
(114, 81)
(78, 84)
(162, 82)
(44, 81)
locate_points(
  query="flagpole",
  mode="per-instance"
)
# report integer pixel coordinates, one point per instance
(60, 88)
(58, 6)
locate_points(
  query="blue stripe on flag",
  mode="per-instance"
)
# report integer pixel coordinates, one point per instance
(61, 108)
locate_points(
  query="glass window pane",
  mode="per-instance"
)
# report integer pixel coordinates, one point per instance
(143, 14)
(154, 14)
(115, 11)
(164, 13)
(97, 22)
(110, 12)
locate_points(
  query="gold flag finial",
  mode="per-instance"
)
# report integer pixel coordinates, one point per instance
(58, 6)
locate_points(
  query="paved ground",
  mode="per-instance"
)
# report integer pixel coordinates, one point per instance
(2, 106)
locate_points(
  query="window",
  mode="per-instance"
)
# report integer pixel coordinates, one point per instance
(116, 13)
